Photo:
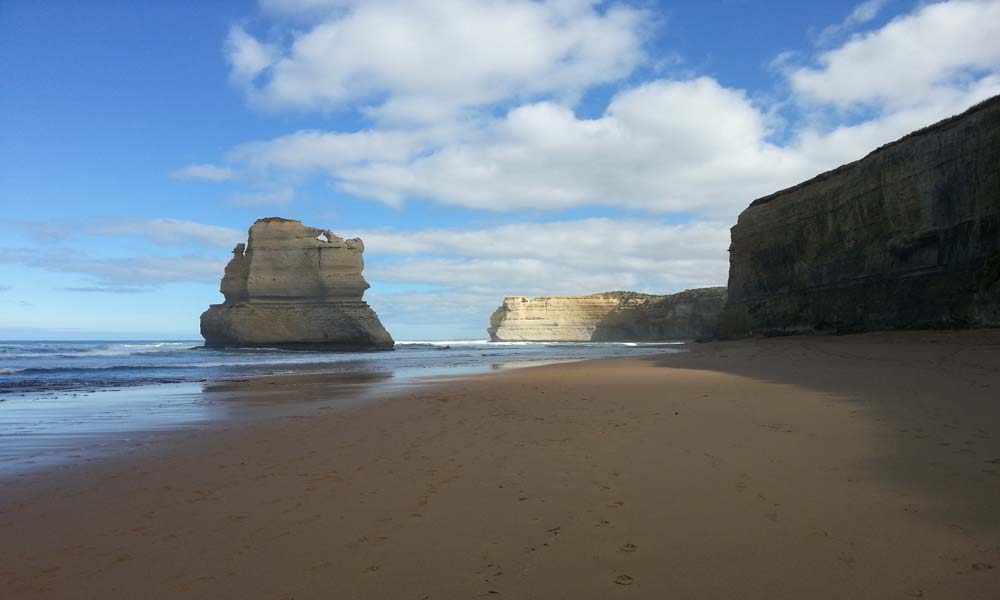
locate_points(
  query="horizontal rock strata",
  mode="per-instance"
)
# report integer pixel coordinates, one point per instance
(611, 316)
(295, 286)
(907, 237)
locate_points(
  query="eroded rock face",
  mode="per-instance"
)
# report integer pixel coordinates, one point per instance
(294, 286)
(907, 237)
(607, 317)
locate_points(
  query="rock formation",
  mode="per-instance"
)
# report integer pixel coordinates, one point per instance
(608, 317)
(294, 286)
(907, 237)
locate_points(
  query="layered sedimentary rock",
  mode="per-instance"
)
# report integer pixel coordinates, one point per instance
(907, 237)
(611, 316)
(294, 286)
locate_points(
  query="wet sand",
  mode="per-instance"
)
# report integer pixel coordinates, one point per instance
(851, 467)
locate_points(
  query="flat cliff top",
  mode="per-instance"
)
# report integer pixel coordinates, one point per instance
(620, 295)
(988, 104)
(276, 220)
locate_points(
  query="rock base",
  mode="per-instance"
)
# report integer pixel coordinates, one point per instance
(321, 325)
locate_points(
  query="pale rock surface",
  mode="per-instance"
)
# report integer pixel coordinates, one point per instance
(295, 286)
(610, 316)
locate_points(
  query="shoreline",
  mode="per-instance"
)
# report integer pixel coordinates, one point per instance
(57, 427)
(826, 467)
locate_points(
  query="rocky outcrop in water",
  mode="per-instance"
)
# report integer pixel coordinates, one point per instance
(607, 317)
(295, 286)
(907, 237)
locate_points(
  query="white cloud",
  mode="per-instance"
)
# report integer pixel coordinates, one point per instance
(849, 142)
(203, 172)
(169, 231)
(942, 45)
(602, 243)
(471, 270)
(661, 147)
(247, 57)
(311, 150)
(112, 274)
(160, 231)
(428, 60)
(862, 13)
(689, 146)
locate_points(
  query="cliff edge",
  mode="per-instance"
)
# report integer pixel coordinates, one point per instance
(294, 286)
(907, 237)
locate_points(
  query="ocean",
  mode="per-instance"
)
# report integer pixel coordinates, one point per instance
(93, 365)
(62, 401)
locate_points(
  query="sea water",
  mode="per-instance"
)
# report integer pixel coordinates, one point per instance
(66, 401)
(66, 366)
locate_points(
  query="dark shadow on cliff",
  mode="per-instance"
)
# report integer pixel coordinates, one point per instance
(688, 315)
(933, 399)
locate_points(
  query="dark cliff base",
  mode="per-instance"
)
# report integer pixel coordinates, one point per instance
(957, 298)
(906, 238)
(689, 315)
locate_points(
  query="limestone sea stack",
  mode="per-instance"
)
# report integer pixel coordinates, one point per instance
(907, 237)
(609, 317)
(295, 286)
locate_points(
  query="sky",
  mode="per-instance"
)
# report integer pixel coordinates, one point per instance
(480, 148)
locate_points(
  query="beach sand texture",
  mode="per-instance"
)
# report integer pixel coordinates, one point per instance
(844, 467)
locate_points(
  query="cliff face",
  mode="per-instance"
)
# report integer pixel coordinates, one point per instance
(612, 316)
(907, 237)
(293, 286)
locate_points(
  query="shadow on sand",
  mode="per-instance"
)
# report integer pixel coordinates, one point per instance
(931, 401)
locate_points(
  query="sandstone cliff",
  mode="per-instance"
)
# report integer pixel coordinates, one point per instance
(294, 286)
(907, 237)
(612, 316)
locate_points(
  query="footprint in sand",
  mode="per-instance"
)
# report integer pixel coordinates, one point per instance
(847, 559)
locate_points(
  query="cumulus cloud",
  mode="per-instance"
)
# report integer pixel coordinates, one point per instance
(661, 146)
(944, 45)
(691, 146)
(203, 172)
(426, 60)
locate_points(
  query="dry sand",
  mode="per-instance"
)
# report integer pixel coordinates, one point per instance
(853, 467)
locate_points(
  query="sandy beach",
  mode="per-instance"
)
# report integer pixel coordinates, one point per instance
(840, 467)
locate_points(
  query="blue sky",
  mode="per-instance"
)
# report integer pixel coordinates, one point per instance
(481, 149)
